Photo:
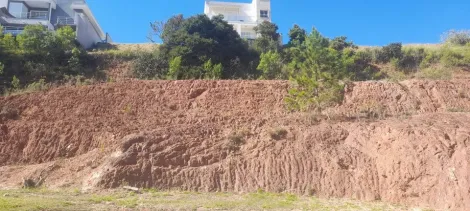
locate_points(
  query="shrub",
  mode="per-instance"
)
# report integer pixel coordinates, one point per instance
(175, 68)
(15, 83)
(388, 52)
(30, 40)
(271, 66)
(36, 86)
(396, 76)
(456, 37)
(212, 71)
(358, 65)
(373, 110)
(150, 65)
(278, 133)
(431, 57)
(340, 43)
(8, 43)
(236, 139)
(410, 60)
(440, 73)
(455, 56)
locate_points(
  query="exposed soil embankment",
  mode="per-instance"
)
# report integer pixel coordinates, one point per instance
(237, 136)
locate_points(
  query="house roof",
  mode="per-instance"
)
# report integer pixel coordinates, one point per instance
(224, 3)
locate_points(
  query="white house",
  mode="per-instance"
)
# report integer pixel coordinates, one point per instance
(243, 16)
(52, 14)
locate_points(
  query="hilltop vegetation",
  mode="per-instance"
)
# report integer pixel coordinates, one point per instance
(202, 48)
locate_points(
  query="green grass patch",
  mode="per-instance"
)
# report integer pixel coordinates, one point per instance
(152, 199)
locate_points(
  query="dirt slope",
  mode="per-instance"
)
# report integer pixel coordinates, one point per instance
(237, 136)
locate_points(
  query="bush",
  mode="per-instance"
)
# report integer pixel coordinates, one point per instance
(36, 86)
(150, 65)
(358, 64)
(431, 57)
(40, 85)
(15, 83)
(278, 133)
(175, 68)
(212, 71)
(396, 76)
(271, 66)
(373, 110)
(236, 139)
(340, 43)
(38, 54)
(410, 60)
(435, 74)
(455, 56)
(388, 52)
(456, 37)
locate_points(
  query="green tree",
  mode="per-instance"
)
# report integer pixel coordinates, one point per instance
(267, 30)
(9, 43)
(316, 84)
(15, 83)
(340, 43)
(212, 71)
(264, 45)
(271, 66)
(175, 68)
(198, 39)
(151, 65)
(269, 37)
(30, 40)
(165, 30)
(66, 37)
(297, 36)
(389, 52)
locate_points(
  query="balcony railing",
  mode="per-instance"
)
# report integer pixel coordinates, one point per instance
(248, 36)
(12, 30)
(240, 18)
(65, 21)
(37, 15)
(237, 18)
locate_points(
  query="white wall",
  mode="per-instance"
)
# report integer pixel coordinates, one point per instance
(4, 3)
(263, 5)
(241, 10)
(86, 33)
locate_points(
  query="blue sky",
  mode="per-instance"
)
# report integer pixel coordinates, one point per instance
(366, 22)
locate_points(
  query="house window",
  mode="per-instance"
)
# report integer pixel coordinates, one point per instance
(18, 9)
(263, 13)
(247, 35)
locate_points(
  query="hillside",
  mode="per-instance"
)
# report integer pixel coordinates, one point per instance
(405, 143)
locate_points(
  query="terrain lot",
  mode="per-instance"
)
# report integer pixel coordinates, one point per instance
(402, 143)
(42, 199)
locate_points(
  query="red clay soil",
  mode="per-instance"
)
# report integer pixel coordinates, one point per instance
(238, 136)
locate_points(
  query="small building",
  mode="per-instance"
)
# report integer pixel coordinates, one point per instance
(243, 16)
(53, 14)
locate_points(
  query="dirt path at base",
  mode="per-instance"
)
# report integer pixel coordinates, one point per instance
(238, 136)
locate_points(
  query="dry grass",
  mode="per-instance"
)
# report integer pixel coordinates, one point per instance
(155, 200)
